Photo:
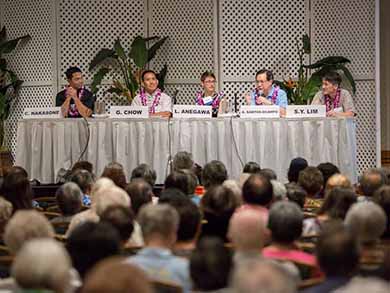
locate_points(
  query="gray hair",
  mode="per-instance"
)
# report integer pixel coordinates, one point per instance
(260, 276)
(26, 225)
(43, 264)
(69, 198)
(280, 191)
(234, 186)
(367, 221)
(160, 219)
(111, 196)
(182, 160)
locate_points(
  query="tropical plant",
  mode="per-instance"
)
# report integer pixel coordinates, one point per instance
(9, 82)
(140, 53)
(307, 85)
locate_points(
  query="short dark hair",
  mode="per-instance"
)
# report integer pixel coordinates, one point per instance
(337, 250)
(311, 180)
(382, 198)
(91, 242)
(172, 196)
(70, 71)
(83, 179)
(219, 200)
(333, 77)
(184, 180)
(285, 221)
(268, 173)
(182, 160)
(251, 167)
(210, 265)
(83, 165)
(268, 73)
(146, 172)
(328, 170)
(17, 189)
(337, 202)
(296, 193)
(121, 218)
(214, 173)
(140, 193)
(207, 74)
(372, 180)
(146, 72)
(257, 190)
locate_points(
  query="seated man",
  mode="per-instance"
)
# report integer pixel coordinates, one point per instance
(75, 101)
(338, 101)
(266, 93)
(209, 96)
(159, 103)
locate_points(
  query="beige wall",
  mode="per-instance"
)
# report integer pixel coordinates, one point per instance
(385, 73)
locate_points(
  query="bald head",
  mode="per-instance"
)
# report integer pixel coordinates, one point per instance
(337, 180)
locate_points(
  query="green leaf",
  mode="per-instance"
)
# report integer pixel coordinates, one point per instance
(331, 60)
(138, 52)
(312, 86)
(153, 50)
(119, 50)
(100, 57)
(306, 44)
(3, 35)
(151, 39)
(8, 46)
(3, 64)
(97, 79)
(161, 77)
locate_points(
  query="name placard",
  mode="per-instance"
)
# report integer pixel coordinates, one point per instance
(131, 112)
(192, 111)
(39, 113)
(306, 111)
(259, 111)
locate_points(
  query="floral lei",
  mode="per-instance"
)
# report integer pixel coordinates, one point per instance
(216, 99)
(72, 109)
(273, 98)
(156, 100)
(331, 105)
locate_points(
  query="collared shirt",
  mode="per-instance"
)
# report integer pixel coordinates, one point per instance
(281, 98)
(346, 101)
(165, 104)
(161, 264)
(86, 200)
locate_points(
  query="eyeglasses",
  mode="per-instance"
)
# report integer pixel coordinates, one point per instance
(210, 81)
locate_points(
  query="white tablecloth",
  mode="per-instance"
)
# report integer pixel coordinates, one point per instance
(45, 146)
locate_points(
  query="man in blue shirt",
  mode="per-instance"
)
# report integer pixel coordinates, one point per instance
(266, 93)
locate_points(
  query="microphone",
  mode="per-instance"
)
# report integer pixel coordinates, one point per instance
(235, 102)
(174, 96)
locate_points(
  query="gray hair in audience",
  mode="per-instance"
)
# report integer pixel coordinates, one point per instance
(260, 276)
(111, 196)
(26, 225)
(5, 211)
(182, 160)
(43, 264)
(371, 180)
(367, 221)
(234, 186)
(280, 191)
(146, 172)
(160, 219)
(100, 184)
(69, 198)
(214, 173)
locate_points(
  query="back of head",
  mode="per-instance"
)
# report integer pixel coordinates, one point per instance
(279, 190)
(161, 221)
(91, 242)
(121, 218)
(172, 196)
(219, 200)
(116, 173)
(367, 221)
(311, 180)
(182, 160)
(296, 193)
(337, 202)
(140, 193)
(83, 179)
(328, 170)
(285, 222)
(124, 278)
(111, 196)
(251, 167)
(42, 264)
(296, 166)
(259, 276)
(335, 244)
(382, 198)
(371, 180)
(5, 213)
(337, 180)
(69, 198)
(268, 173)
(235, 187)
(214, 173)
(257, 190)
(190, 220)
(145, 172)
(181, 180)
(247, 230)
(26, 225)
(101, 183)
(210, 265)
(17, 189)
(83, 165)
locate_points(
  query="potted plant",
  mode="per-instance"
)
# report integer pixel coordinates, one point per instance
(9, 86)
(302, 90)
(139, 54)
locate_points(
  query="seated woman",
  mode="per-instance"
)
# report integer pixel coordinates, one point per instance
(266, 93)
(209, 96)
(285, 223)
(338, 101)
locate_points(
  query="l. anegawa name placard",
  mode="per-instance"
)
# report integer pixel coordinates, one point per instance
(192, 111)
(130, 112)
